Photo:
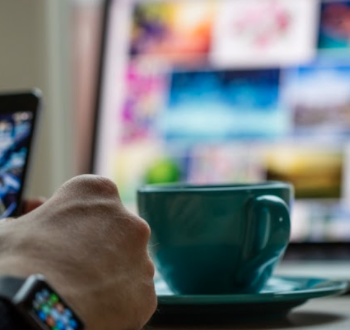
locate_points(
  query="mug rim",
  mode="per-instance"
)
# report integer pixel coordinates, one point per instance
(182, 187)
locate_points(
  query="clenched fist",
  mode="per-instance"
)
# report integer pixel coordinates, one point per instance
(91, 249)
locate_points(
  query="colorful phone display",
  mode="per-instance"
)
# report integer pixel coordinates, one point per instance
(18, 116)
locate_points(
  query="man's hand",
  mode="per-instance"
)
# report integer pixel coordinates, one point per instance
(91, 249)
(31, 204)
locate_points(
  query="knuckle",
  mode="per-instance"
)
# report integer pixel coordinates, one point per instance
(90, 185)
(142, 230)
(106, 185)
(151, 268)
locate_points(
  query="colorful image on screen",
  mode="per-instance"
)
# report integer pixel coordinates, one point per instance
(258, 32)
(174, 30)
(146, 88)
(223, 105)
(315, 172)
(319, 97)
(222, 163)
(334, 30)
(147, 162)
(15, 133)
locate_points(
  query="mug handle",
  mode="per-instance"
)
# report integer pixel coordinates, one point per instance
(267, 236)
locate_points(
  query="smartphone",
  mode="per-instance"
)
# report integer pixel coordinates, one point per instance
(18, 120)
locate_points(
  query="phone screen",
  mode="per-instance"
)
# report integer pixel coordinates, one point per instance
(15, 138)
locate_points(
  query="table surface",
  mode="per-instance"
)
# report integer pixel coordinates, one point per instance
(322, 314)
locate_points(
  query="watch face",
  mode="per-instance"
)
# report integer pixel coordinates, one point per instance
(48, 310)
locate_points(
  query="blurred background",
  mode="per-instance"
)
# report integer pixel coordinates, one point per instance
(53, 45)
(202, 91)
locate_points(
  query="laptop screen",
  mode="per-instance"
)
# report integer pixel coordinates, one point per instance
(222, 91)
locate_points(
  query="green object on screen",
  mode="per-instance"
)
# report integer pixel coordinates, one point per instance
(163, 171)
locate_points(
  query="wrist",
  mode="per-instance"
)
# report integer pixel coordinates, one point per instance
(37, 304)
(25, 267)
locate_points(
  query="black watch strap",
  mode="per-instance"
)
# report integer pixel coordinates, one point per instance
(34, 302)
(9, 286)
(9, 318)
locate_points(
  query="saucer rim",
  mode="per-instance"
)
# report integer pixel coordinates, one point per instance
(329, 288)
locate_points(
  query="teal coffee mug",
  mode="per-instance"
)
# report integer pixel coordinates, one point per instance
(217, 239)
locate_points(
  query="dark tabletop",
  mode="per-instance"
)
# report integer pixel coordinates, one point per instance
(330, 313)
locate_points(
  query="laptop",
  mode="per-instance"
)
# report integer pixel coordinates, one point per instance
(233, 91)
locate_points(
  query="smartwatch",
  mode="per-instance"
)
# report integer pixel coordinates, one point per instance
(38, 303)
